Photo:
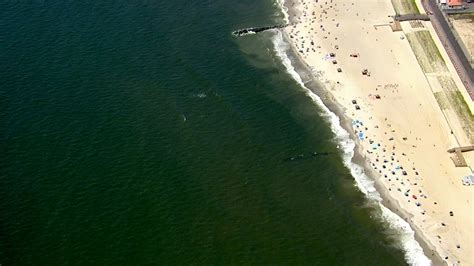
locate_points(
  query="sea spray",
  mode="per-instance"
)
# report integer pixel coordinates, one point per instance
(406, 236)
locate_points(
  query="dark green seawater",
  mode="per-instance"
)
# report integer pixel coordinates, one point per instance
(143, 132)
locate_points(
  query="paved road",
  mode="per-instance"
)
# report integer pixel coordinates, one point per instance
(460, 62)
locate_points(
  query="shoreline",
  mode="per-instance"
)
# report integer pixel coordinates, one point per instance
(358, 158)
(319, 88)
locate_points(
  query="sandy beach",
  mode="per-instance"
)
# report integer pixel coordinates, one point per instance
(373, 75)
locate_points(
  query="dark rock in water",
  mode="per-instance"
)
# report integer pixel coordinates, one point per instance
(294, 158)
(246, 31)
(320, 153)
(303, 156)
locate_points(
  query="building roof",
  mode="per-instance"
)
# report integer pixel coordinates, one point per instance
(455, 2)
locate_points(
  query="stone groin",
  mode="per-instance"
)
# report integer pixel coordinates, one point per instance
(254, 30)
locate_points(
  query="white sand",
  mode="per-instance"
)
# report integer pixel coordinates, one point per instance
(405, 129)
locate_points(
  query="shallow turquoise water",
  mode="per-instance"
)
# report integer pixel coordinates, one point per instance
(144, 133)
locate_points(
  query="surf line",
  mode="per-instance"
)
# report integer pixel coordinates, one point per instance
(255, 30)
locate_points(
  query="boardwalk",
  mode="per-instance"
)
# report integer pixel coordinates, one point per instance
(460, 62)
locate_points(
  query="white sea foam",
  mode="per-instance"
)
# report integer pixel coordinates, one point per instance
(250, 32)
(405, 235)
(199, 95)
(281, 4)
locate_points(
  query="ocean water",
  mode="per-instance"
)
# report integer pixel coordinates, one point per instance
(143, 132)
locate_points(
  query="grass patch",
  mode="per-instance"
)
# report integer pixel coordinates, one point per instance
(403, 7)
(457, 103)
(447, 83)
(464, 114)
(426, 52)
(462, 105)
(442, 100)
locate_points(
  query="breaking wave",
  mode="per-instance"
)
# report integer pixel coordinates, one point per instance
(405, 235)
